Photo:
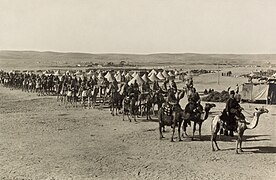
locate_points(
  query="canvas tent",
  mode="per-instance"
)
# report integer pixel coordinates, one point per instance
(145, 78)
(57, 73)
(128, 77)
(94, 76)
(78, 73)
(160, 76)
(138, 79)
(165, 74)
(109, 76)
(259, 92)
(152, 72)
(100, 76)
(134, 74)
(171, 74)
(90, 73)
(153, 77)
(119, 77)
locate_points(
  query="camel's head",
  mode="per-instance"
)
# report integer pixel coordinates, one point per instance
(261, 110)
(209, 106)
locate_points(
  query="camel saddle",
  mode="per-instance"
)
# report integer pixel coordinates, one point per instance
(168, 109)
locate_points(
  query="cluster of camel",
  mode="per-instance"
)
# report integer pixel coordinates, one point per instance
(71, 91)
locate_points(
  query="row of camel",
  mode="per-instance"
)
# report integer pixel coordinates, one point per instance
(179, 117)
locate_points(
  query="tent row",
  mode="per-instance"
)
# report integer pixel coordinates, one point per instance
(123, 76)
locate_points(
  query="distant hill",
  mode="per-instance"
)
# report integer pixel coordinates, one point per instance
(31, 59)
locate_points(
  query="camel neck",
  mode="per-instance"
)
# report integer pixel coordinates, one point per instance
(253, 124)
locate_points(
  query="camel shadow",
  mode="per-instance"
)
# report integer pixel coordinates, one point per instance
(253, 138)
(208, 138)
(261, 149)
(144, 119)
(232, 139)
(256, 149)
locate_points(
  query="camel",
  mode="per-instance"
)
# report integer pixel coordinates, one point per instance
(92, 99)
(116, 99)
(174, 119)
(157, 99)
(199, 119)
(217, 125)
(145, 104)
(130, 108)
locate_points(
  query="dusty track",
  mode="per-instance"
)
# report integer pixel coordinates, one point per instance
(39, 139)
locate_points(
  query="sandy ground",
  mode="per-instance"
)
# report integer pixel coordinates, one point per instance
(40, 139)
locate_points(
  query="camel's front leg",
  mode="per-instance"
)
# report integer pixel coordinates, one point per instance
(199, 130)
(179, 129)
(128, 117)
(212, 141)
(184, 129)
(160, 130)
(112, 110)
(239, 141)
(116, 111)
(173, 131)
(194, 129)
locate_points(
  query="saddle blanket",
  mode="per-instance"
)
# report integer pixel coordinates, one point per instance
(168, 110)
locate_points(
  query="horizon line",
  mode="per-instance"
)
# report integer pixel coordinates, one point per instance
(127, 53)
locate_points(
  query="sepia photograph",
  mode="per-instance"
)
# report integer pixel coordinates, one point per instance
(137, 89)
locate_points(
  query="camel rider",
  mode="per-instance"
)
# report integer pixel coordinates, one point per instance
(155, 86)
(194, 107)
(171, 97)
(135, 85)
(130, 90)
(136, 92)
(173, 86)
(114, 86)
(164, 86)
(126, 88)
(104, 85)
(144, 87)
(191, 83)
(232, 109)
(147, 87)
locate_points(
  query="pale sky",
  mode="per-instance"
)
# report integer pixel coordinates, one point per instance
(139, 26)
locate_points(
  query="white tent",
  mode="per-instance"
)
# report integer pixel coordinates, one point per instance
(109, 76)
(67, 72)
(138, 79)
(44, 72)
(176, 72)
(153, 77)
(118, 77)
(153, 71)
(94, 76)
(160, 76)
(118, 72)
(134, 74)
(57, 73)
(100, 76)
(145, 78)
(171, 74)
(90, 73)
(78, 73)
(165, 74)
(128, 77)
